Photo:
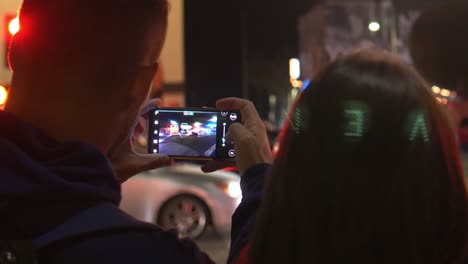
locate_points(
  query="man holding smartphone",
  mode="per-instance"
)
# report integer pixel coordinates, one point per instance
(82, 70)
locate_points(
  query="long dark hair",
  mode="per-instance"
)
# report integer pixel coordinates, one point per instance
(367, 172)
(438, 44)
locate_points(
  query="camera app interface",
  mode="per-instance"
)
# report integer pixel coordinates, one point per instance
(192, 133)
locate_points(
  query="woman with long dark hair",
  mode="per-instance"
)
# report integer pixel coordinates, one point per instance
(368, 171)
(438, 45)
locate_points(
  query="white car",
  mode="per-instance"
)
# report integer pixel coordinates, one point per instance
(185, 129)
(184, 198)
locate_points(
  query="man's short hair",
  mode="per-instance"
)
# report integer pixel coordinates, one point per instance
(89, 35)
(439, 42)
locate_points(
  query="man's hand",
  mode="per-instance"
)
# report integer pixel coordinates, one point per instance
(126, 162)
(250, 137)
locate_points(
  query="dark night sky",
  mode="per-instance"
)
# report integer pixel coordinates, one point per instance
(273, 23)
(217, 33)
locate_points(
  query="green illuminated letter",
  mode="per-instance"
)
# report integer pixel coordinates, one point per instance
(419, 128)
(355, 123)
(355, 114)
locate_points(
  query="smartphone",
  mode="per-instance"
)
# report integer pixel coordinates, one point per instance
(191, 134)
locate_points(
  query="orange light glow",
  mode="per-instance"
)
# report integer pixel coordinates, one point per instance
(296, 83)
(436, 89)
(3, 95)
(445, 92)
(14, 26)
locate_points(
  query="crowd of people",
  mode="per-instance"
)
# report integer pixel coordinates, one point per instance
(376, 178)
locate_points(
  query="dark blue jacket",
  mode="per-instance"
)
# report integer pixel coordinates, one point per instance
(44, 183)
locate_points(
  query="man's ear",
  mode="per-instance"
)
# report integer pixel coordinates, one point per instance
(142, 83)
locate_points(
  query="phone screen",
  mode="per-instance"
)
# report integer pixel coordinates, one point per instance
(191, 134)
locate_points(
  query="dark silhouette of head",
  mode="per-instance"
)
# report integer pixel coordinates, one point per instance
(438, 44)
(367, 172)
(85, 62)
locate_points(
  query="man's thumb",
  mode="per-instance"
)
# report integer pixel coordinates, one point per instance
(236, 132)
(150, 161)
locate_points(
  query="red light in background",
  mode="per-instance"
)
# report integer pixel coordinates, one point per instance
(11, 26)
(233, 169)
(3, 95)
(14, 26)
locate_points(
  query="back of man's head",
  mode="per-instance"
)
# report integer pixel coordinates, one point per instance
(439, 42)
(87, 40)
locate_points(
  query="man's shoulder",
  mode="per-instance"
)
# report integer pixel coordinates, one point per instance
(125, 247)
(111, 236)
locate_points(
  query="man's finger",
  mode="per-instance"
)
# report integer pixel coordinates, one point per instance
(216, 165)
(231, 103)
(140, 127)
(137, 163)
(148, 162)
(141, 163)
(147, 106)
(237, 132)
(249, 114)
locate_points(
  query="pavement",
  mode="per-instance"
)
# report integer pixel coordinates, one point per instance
(188, 145)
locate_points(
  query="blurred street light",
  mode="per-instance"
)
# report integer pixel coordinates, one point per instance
(3, 95)
(294, 69)
(14, 26)
(374, 26)
(445, 92)
(436, 89)
(297, 84)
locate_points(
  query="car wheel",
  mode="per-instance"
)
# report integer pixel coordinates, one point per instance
(187, 214)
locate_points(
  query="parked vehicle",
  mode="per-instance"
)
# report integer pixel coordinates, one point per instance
(185, 129)
(184, 198)
(170, 130)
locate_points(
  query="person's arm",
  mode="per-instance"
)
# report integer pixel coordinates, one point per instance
(243, 220)
(253, 159)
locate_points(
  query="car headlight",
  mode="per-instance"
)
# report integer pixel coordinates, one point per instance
(232, 189)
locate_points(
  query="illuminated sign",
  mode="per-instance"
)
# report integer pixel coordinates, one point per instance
(355, 114)
(300, 119)
(294, 69)
(418, 127)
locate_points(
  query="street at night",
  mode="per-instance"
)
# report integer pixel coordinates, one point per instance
(188, 145)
